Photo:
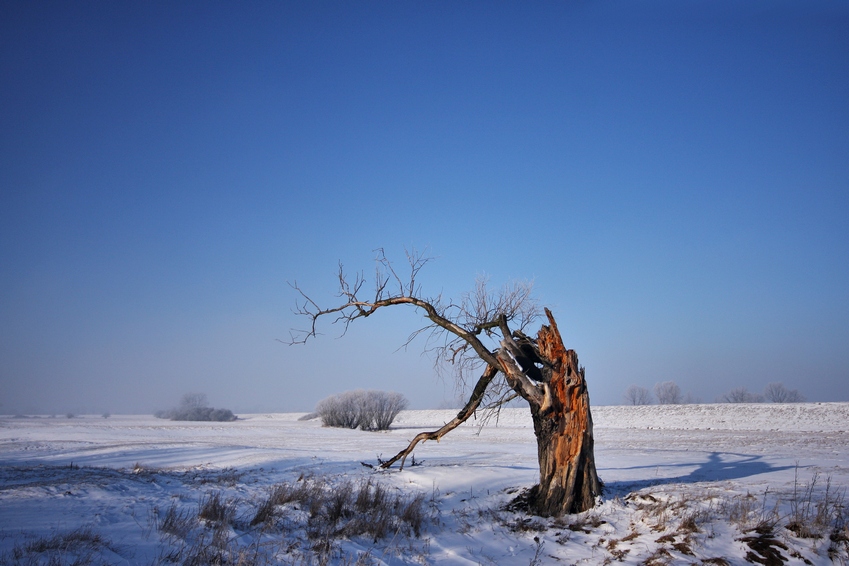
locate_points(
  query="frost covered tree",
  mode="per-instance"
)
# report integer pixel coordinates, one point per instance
(741, 395)
(367, 410)
(483, 335)
(668, 393)
(777, 393)
(194, 407)
(193, 401)
(636, 395)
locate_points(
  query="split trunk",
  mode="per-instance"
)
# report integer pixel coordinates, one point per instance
(568, 481)
(548, 377)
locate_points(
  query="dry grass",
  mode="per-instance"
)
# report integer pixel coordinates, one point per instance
(817, 513)
(79, 547)
(764, 547)
(319, 520)
(175, 522)
(301, 522)
(214, 509)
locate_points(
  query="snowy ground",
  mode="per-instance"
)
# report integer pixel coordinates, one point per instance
(686, 484)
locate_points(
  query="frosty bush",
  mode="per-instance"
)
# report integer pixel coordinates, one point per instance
(668, 393)
(367, 410)
(774, 393)
(777, 393)
(193, 408)
(741, 395)
(636, 395)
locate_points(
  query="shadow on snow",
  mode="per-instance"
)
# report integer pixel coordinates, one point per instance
(714, 469)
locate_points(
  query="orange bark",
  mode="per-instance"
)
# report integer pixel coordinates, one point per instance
(563, 425)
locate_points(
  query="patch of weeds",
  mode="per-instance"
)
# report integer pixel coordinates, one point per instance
(216, 549)
(813, 513)
(377, 513)
(617, 553)
(660, 557)
(265, 511)
(175, 522)
(524, 524)
(82, 537)
(745, 512)
(339, 502)
(79, 547)
(585, 522)
(141, 469)
(683, 547)
(690, 522)
(229, 477)
(838, 548)
(215, 509)
(345, 509)
(656, 511)
(414, 513)
(765, 548)
(537, 559)
(301, 492)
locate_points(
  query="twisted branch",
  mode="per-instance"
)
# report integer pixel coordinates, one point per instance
(481, 314)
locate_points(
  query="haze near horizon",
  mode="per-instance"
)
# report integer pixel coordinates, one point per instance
(672, 176)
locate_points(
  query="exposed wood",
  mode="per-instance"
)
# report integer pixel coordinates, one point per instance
(564, 429)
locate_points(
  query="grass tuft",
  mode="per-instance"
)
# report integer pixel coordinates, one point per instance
(175, 522)
(80, 547)
(214, 509)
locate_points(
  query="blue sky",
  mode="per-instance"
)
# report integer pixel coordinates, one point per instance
(674, 177)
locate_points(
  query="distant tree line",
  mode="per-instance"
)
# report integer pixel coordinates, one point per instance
(194, 407)
(773, 393)
(668, 393)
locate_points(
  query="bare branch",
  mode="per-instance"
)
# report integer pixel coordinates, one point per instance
(482, 308)
(354, 308)
(464, 414)
(456, 333)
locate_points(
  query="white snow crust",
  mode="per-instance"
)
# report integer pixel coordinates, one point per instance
(730, 468)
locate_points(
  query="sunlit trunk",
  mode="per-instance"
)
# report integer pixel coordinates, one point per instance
(564, 429)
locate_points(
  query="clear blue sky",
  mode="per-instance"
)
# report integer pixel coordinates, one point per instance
(674, 176)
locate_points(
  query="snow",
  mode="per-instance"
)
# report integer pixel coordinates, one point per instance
(728, 468)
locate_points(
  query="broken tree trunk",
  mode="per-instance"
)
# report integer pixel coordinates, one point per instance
(568, 481)
(560, 408)
(541, 371)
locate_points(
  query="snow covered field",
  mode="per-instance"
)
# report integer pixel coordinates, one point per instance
(684, 484)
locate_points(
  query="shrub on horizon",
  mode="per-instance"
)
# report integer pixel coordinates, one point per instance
(636, 395)
(366, 410)
(777, 393)
(741, 395)
(193, 408)
(668, 393)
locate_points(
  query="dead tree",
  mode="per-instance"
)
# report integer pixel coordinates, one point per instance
(477, 334)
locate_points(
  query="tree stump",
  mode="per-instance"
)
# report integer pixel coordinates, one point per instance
(568, 481)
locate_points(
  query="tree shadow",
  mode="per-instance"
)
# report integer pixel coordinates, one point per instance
(713, 470)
